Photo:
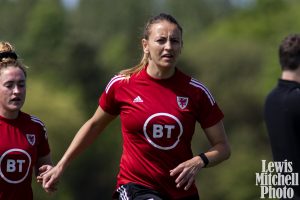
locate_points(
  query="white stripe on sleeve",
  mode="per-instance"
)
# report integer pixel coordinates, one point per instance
(112, 81)
(197, 84)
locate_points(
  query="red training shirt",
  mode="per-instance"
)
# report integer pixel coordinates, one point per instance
(158, 119)
(22, 142)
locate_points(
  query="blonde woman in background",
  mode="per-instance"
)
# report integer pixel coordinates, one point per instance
(24, 145)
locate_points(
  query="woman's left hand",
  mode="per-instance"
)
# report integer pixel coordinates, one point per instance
(42, 170)
(186, 172)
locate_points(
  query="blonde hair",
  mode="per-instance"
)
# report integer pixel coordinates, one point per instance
(9, 58)
(136, 69)
(144, 61)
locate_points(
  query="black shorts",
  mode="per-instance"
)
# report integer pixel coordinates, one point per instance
(132, 191)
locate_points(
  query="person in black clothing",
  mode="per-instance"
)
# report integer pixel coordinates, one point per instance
(282, 108)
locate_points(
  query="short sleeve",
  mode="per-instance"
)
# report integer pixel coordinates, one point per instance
(208, 111)
(214, 115)
(107, 100)
(43, 148)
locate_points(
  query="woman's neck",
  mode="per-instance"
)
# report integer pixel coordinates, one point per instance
(160, 72)
(9, 115)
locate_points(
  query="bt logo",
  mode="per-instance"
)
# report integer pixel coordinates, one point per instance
(163, 130)
(158, 130)
(14, 165)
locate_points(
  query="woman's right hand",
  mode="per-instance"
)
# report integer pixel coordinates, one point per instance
(86, 135)
(51, 178)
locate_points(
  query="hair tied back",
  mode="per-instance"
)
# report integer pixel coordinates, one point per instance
(11, 54)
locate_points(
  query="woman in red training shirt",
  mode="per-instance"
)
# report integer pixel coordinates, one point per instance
(159, 107)
(23, 139)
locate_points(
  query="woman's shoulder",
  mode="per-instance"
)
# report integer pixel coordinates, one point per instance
(115, 81)
(192, 82)
(29, 118)
(198, 88)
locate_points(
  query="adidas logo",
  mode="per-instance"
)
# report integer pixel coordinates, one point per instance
(138, 99)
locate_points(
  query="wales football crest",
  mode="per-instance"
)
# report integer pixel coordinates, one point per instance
(182, 102)
(30, 139)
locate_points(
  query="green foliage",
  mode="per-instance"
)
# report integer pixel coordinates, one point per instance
(237, 58)
(43, 35)
(114, 52)
(60, 109)
(13, 14)
(73, 53)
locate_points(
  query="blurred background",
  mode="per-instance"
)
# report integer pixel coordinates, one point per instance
(73, 47)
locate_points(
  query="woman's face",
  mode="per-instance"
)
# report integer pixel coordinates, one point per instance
(12, 91)
(163, 45)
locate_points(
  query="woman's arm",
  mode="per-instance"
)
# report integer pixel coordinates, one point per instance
(84, 137)
(219, 151)
(43, 164)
